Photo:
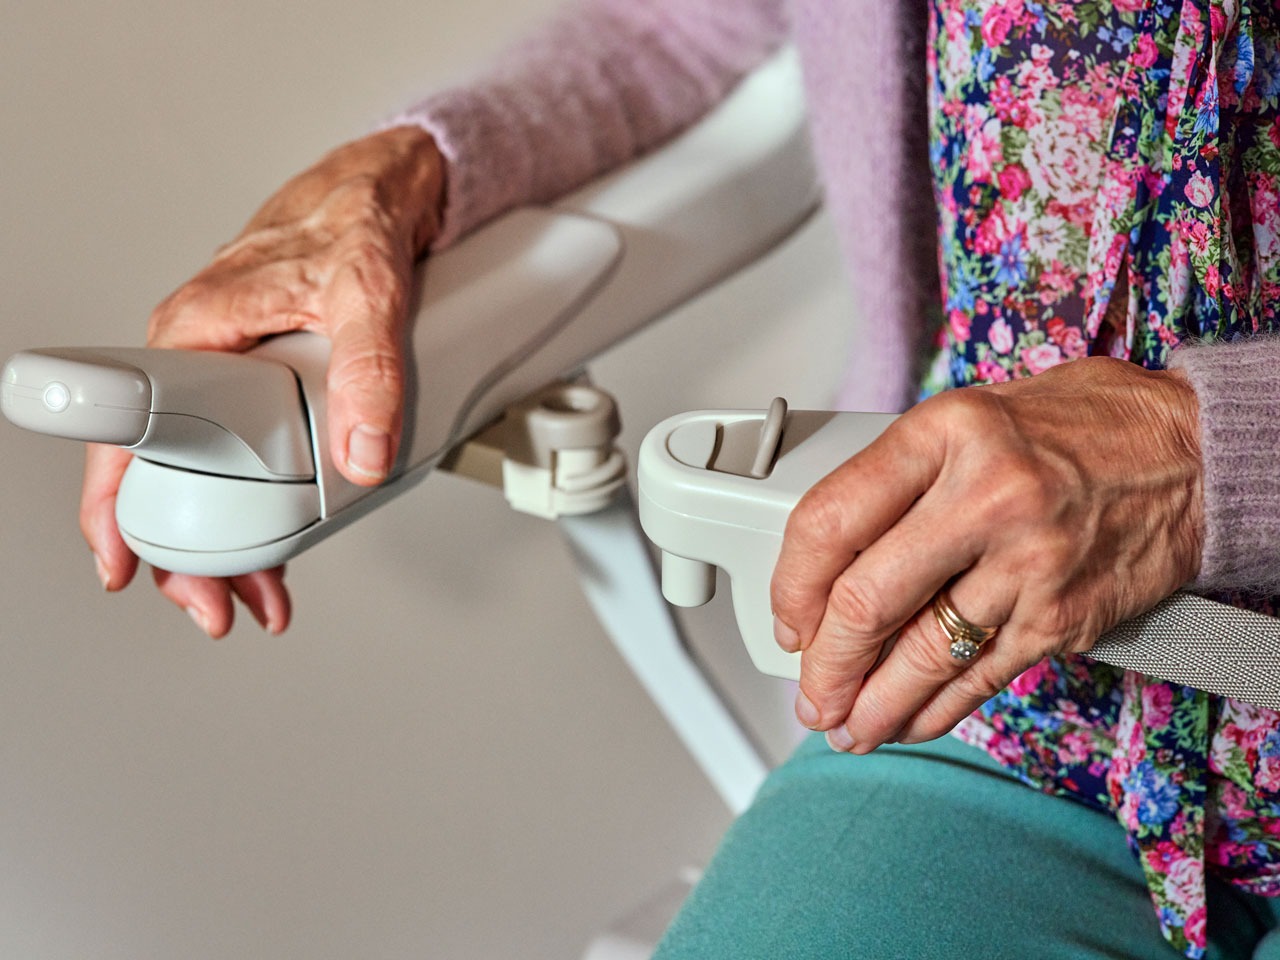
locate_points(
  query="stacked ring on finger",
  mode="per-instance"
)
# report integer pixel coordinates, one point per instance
(966, 636)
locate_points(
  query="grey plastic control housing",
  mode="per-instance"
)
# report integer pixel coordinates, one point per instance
(704, 511)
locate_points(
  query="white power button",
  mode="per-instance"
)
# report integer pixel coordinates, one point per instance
(57, 397)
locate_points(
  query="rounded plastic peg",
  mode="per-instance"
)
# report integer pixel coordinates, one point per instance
(685, 582)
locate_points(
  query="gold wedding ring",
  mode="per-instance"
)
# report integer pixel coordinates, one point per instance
(966, 637)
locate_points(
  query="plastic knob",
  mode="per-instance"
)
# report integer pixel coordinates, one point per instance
(685, 582)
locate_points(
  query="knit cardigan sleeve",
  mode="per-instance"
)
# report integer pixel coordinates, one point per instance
(1238, 389)
(865, 78)
(597, 85)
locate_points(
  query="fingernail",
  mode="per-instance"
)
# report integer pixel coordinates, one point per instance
(103, 574)
(840, 739)
(806, 712)
(369, 452)
(201, 620)
(787, 638)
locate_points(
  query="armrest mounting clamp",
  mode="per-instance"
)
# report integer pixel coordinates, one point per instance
(552, 454)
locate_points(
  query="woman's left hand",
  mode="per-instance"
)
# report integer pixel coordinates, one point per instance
(1052, 508)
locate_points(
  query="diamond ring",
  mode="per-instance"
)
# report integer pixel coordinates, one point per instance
(966, 637)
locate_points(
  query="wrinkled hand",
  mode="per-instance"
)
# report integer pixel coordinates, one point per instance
(331, 252)
(1055, 507)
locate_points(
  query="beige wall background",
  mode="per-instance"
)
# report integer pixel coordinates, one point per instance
(443, 757)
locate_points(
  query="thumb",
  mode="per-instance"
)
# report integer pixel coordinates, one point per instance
(366, 374)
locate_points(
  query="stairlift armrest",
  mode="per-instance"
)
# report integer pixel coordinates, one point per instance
(682, 218)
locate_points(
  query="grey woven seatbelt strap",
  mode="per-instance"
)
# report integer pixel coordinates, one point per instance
(1193, 641)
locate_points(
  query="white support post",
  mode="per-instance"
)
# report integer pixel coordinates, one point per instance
(621, 584)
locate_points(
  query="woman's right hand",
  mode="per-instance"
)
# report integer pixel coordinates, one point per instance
(332, 252)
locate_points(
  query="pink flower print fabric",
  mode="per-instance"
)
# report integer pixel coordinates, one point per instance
(1079, 149)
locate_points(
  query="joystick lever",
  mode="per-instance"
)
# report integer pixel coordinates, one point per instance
(716, 488)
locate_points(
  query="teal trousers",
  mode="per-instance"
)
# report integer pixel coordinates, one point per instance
(933, 851)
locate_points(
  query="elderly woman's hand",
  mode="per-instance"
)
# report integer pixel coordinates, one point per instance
(1051, 508)
(333, 252)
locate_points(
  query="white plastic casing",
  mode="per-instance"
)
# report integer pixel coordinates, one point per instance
(702, 518)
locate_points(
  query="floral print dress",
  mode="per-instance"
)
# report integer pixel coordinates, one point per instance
(1107, 176)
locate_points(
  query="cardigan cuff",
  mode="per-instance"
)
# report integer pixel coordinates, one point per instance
(473, 143)
(1238, 388)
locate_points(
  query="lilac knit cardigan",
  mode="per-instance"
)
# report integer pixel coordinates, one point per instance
(609, 79)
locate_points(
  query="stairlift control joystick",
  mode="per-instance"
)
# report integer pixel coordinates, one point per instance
(225, 478)
(745, 448)
(716, 488)
(220, 414)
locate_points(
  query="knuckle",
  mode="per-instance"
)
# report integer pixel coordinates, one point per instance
(960, 413)
(246, 302)
(859, 610)
(968, 691)
(1029, 486)
(193, 293)
(824, 677)
(818, 516)
(205, 311)
(1019, 493)
(175, 309)
(373, 371)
